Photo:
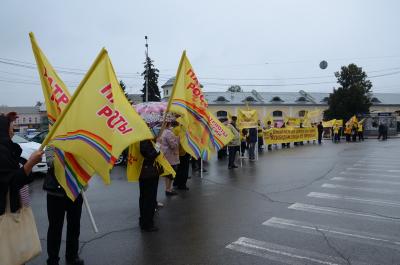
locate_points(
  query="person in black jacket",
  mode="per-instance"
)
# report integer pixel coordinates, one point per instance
(59, 205)
(12, 176)
(252, 143)
(148, 184)
(320, 131)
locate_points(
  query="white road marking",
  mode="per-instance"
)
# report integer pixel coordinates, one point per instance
(366, 238)
(330, 196)
(375, 175)
(280, 253)
(369, 165)
(367, 169)
(375, 190)
(366, 180)
(338, 212)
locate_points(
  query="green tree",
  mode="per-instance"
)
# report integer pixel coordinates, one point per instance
(234, 88)
(154, 91)
(352, 97)
(123, 86)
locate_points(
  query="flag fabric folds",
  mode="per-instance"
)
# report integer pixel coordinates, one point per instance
(72, 172)
(98, 123)
(247, 119)
(135, 162)
(202, 132)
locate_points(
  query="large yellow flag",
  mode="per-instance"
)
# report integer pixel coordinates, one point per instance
(135, 162)
(72, 172)
(202, 132)
(98, 123)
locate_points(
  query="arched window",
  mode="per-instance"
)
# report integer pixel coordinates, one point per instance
(325, 99)
(221, 98)
(375, 100)
(249, 98)
(222, 114)
(302, 113)
(277, 113)
(276, 99)
(301, 99)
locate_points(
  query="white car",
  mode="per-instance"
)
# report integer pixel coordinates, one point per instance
(27, 149)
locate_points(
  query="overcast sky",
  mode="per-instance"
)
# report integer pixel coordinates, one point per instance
(264, 45)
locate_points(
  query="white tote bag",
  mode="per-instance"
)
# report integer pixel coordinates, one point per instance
(19, 239)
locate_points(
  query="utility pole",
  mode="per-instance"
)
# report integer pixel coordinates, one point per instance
(147, 69)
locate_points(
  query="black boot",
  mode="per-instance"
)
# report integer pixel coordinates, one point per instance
(74, 261)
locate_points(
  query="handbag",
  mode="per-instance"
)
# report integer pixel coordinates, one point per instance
(19, 239)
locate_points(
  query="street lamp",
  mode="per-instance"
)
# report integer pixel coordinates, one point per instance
(147, 69)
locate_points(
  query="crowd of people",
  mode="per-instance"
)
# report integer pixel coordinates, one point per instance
(13, 177)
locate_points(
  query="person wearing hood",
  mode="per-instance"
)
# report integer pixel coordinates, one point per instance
(12, 176)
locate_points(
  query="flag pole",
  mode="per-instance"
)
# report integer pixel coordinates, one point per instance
(201, 167)
(89, 212)
(172, 94)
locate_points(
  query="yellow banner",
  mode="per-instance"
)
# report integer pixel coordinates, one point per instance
(98, 123)
(332, 123)
(287, 135)
(247, 119)
(202, 132)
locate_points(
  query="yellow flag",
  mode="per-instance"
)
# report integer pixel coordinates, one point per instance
(202, 132)
(72, 172)
(98, 123)
(135, 162)
(247, 119)
(352, 121)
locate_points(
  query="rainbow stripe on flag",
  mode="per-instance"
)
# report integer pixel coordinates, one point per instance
(76, 177)
(97, 143)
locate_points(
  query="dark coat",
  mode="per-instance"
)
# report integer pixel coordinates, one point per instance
(12, 177)
(253, 136)
(150, 168)
(320, 128)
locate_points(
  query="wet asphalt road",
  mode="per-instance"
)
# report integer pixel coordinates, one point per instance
(329, 204)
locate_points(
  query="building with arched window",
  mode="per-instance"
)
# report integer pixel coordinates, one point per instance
(292, 104)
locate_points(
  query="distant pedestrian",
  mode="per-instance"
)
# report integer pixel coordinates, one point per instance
(148, 184)
(381, 129)
(252, 143)
(320, 128)
(170, 147)
(243, 141)
(233, 145)
(360, 132)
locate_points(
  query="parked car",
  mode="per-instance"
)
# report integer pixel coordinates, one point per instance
(38, 138)
(27, 149)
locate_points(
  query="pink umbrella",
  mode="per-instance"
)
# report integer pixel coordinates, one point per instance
(153, 112)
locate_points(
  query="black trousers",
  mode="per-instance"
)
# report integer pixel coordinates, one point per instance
(182, 173)
(319, 137)
(56, 209)
(147, 201)
(232, 154)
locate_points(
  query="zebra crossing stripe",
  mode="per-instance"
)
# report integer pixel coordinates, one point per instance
(374, 190)
(338, 212)
(280, 253)
(373, 181)
(330, 196)
(346, 234)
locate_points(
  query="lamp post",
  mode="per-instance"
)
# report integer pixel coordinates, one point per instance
(147, 69)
